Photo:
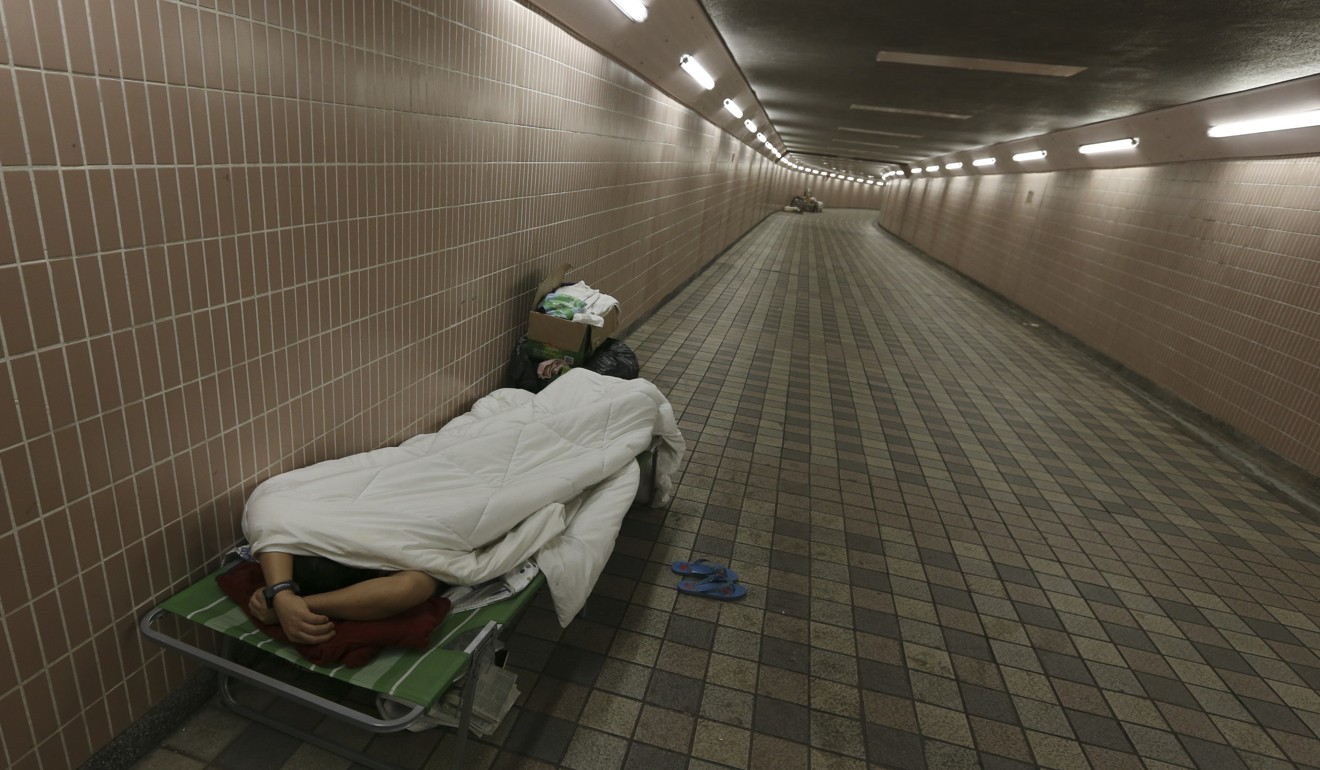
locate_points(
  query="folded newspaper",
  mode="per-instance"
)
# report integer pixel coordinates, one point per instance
(497, 690)
(464, 598)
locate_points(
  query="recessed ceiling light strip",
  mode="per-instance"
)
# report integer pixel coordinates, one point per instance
(864, 144)
(633, 9)
(970, 63)
(880, 133)
(905, 111)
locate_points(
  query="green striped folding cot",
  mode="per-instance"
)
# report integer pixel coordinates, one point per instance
(413, 679)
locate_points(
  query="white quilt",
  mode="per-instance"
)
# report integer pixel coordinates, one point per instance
(546, 476)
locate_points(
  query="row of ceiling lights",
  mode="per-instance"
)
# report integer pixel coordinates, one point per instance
(704, 79)
(636, 10)
(1085, 149)
(1241, 128)
(840, 176)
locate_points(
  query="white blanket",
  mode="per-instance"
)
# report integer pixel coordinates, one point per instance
(548, 476)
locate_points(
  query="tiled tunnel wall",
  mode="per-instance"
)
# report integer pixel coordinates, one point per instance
(242, 236)
(1203, 278)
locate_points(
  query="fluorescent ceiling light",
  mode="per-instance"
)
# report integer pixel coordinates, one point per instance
(903, 111)
(1117, 144)
(916, 170)
(633, 9)
(692, 67)
(832, 176)
(733, 109)
(750, 125)
(1033, 155)
(880, 133)
(932, 169)
(760, 138)
(954, 166)
(969, 63)
(983, 162)
(1273, 123)
(852, 179)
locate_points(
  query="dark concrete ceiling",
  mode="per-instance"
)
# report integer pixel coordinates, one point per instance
(809, 61)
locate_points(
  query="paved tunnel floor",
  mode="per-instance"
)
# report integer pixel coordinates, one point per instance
(964, 545)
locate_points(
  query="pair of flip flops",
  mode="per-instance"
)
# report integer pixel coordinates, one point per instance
(708, 579)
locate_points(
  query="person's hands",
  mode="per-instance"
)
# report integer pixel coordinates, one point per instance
(300, 624)
(258, 609)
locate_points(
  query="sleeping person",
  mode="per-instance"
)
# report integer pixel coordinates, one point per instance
(306, 594)
(546, 476)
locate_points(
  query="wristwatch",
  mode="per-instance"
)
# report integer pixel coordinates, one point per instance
(287, 585)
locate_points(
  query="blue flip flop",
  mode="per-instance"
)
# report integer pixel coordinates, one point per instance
(714, 587)
(702, 568)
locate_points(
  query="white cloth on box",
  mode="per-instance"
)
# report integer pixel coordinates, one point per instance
(598, 304)
(590, 319)
(546, 476)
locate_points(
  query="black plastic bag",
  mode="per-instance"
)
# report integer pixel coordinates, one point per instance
(522, 370)
(613, 359)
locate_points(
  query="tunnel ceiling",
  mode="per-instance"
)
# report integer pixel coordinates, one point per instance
(811, 62)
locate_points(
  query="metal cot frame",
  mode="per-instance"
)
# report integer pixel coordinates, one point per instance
(483, 652)
(229, 670)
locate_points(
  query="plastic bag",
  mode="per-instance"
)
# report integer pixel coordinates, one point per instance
(614, 359)
(562, 306)
(522, 370)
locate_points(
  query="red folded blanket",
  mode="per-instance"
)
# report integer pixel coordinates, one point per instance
(356, 642)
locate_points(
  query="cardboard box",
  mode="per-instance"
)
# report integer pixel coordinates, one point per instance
(549, 337)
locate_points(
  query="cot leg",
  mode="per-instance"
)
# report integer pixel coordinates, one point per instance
(481, 657)
(465, 718)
